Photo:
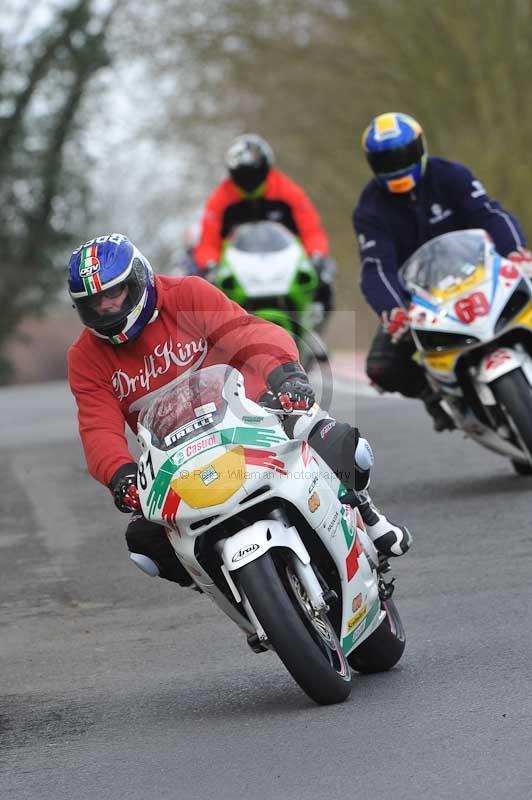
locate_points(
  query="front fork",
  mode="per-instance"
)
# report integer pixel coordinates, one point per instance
(493, 366)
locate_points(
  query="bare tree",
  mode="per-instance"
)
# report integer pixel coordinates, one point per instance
(36, 199)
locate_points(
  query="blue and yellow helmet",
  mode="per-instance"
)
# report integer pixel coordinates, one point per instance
(395, 149)
(110, 270)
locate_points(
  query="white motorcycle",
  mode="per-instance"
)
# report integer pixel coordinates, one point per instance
(471, 319)
(257, 521)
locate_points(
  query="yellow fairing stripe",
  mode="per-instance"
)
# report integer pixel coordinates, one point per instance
(525, 317)
(441, 362)
(225, 475)
(468, 283)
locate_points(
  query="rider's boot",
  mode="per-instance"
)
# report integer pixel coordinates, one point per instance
(441, 419)
(389, 538)
(350, 457)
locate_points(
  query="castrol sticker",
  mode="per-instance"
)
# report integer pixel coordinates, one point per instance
(194, 448)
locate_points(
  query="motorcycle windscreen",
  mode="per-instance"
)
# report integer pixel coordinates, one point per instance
(261, 237)
(191, 406)
(447, 265)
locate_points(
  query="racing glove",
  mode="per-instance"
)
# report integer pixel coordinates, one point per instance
(523, 258)
(396, 323)
(324, 266)
(123, 486)
(290, 385)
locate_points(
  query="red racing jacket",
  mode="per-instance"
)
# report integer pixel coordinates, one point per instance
(194, 326)
(282, 201)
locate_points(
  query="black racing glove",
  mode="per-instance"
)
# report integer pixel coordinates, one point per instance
(290, 385)
(123, 486)
(325, 267)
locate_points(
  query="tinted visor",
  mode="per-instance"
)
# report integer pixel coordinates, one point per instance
(399, 158)
(249, 177)
(106, 317)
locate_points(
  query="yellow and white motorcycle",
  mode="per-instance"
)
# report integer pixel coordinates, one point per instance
(471, 319)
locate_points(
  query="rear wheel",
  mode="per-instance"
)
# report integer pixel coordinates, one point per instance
(383, 649)
(514, 393)
(304, 639)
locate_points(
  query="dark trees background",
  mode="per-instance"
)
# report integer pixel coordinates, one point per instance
(176, 80)
(41, 195)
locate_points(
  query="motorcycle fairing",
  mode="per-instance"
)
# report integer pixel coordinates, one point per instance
(472, 309)
(181, 491)
(277, 284)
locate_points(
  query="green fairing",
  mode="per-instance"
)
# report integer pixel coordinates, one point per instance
(302, 294)
(236, 293)
(348, 533)
(346, 530)
(278, 317)
(299, 296)
(160, 486)
(258, 436)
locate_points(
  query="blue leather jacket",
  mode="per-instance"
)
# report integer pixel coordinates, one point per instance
(391, 227)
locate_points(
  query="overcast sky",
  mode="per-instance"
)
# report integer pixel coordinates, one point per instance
(137, 185)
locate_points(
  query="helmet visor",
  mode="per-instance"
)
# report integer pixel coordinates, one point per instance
(249, 176)
(107, 311)
(387, 161)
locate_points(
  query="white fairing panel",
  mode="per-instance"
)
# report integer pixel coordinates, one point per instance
(251, 543)
(265, 274)
(500, 362)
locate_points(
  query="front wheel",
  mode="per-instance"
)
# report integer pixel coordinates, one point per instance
(383, 649)
(303, 639)
(514, 393)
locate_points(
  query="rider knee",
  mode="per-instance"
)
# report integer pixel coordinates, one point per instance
(385, 374)
(344, 450)
(140, 533)
(405, 376)
(148, 540)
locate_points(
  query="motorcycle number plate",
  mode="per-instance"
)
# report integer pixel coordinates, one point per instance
(467, 309)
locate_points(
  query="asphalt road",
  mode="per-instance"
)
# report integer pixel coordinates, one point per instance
(115, 685)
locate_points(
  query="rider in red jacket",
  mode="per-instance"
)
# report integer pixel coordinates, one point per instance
(144, 332)
(256, 191)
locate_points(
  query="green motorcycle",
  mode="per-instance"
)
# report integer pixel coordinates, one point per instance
(265, 269)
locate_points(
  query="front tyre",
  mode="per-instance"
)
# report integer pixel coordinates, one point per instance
(383, 649)
(514, 393)
(303, 639)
